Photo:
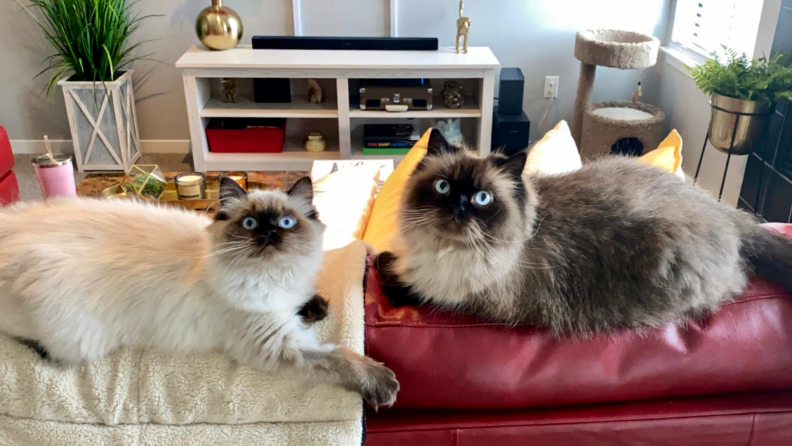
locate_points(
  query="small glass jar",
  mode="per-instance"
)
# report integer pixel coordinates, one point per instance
(315, 142)
(190, 186)
(240, 178)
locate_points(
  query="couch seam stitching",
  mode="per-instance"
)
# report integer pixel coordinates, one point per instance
(586, 422)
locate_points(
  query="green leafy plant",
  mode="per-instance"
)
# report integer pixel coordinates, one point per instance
(152, 188)
(91, 38)
(764, 80)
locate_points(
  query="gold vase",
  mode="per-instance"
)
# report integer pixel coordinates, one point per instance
(218, 27)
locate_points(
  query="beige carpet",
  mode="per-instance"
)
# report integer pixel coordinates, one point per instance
(29, 188)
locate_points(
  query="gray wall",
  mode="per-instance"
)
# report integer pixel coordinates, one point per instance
(535, 35)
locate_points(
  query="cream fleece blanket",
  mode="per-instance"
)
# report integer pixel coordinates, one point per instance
(147, 397)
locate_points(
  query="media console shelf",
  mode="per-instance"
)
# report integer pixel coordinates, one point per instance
(199, 66)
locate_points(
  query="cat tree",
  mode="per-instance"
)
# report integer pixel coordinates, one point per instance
(614, 126)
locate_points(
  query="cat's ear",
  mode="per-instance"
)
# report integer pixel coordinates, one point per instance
(230, 192)
(302, 188)
(438, 144)
(512, 165)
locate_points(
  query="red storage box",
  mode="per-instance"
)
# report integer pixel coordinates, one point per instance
(246, 135)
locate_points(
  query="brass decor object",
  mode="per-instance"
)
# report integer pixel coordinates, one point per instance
(453, 94)
(463, 26)
(218, 27)
(229, 90)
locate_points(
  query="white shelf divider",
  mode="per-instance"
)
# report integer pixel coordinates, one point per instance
(199, 66)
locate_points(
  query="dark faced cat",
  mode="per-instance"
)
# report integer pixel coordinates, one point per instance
(616, 244)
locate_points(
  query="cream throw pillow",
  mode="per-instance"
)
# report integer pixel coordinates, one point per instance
(344, 200)
(554, 154)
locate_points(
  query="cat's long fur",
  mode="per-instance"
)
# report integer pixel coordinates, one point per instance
(82, 277)
(616, 244)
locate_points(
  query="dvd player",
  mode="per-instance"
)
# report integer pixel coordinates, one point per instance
(345, 43)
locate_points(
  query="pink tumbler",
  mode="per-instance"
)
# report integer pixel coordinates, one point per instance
(55, 175)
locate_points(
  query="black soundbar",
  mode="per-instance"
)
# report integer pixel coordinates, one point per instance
(345, 43)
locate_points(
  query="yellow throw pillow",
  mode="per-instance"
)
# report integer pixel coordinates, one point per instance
(554, 154)
(668, 155)
(383, 222)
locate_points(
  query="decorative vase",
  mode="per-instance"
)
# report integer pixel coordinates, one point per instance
(315, 142)
(745, 121)
(218, 27)
(103, 123)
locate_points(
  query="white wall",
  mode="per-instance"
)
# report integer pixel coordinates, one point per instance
(536, 35)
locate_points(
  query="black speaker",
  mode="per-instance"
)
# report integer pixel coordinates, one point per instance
(509, 132)
(345, 43)
(510, 95)
(271, 90)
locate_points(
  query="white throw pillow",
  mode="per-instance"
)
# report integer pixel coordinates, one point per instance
(344, 200)
(554, 154)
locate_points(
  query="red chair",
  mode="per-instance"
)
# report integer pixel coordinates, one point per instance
(9, 190)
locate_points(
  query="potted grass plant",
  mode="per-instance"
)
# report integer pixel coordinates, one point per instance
(92, 54)
(743, 94)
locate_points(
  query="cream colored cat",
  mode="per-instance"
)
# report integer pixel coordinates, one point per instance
(81, 277)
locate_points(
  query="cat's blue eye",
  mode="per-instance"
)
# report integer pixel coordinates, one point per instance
(482, 198)
(442, 186)
(249, 223)
(287, 222)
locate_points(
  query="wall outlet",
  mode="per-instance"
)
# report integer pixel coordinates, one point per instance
(551, 87)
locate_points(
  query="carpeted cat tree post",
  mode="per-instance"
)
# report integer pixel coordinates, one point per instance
(614, 126)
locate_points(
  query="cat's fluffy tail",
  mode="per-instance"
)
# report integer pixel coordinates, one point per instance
(769, 254)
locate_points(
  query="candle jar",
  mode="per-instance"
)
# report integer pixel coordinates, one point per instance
(212, 190)
(190, 186)
(240, 178)
(55, 175)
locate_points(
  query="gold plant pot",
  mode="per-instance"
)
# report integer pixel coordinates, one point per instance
(218, 27)
(745, 121)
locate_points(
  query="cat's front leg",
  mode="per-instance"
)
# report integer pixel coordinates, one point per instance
(269, 343)
(399, 293)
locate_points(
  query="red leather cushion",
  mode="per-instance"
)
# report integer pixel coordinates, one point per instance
(6, 157)
(735, 419)
(444, 360)
(9, 190)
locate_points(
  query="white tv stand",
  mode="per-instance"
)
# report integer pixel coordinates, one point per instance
(199, 66)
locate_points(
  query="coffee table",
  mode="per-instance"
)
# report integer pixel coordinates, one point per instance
(93, 184)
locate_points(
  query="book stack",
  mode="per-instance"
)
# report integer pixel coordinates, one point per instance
(389, 139)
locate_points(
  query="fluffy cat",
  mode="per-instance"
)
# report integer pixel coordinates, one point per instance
(616, 244)
(80, 277)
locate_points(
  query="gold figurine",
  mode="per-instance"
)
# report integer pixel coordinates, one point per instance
(229, 90)
(463, 26)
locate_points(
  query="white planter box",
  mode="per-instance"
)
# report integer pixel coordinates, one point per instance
(103, 126)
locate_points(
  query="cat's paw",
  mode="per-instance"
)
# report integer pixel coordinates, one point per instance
(314, 310)
(380, 386)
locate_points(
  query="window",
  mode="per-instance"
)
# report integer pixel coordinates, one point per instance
(702, 26)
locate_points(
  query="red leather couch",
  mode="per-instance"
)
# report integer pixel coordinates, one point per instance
(725, 380)
(9, 190)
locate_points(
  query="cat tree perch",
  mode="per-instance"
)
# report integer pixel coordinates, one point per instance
(601, 127)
